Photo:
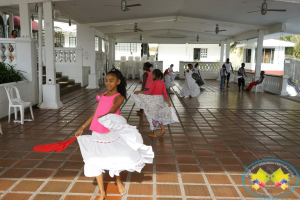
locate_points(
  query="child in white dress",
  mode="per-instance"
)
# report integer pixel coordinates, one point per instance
(172, 74)
(190, 88)
(109, 149)
(168, 81)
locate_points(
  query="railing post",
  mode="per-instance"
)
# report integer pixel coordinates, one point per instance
(7, 54)
(284, 85)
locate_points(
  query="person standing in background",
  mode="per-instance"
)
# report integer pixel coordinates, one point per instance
(228, 66)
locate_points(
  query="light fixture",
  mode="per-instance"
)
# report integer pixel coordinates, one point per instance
(70, 23)
(32, 17)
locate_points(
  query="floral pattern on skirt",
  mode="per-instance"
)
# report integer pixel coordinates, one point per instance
(156, 110)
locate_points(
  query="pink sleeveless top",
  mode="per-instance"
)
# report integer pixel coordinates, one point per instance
(104, 106)
(149, 79)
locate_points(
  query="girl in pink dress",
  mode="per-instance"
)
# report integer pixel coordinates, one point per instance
(110, 149)
(158, 112)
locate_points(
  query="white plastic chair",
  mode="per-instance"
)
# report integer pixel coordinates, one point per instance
(16, 102)
(260, 86)
(130, 71)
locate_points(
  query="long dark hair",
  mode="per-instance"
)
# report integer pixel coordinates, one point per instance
(122, 86)
(196, 65)
(158, 73)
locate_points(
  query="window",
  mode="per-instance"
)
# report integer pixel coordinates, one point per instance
(59, 37)
(73, 39)
(203, 53)
(248, 55)
(126, 47)
(268, 55)
(96, 44)
(196, 54)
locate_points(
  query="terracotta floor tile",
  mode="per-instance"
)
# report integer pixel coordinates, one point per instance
(58, 156)
(5, 184)
(224, 154)
(229, 161)
(80, 187)
(224, 191)
(189, 168)
(14, 173)
(192, 178)
(76, 197)
(141, 177)
(140, 189)
(235, 169)
(113, 179)
(15, 154)
(212, 169)
(165, 168)
(207, 160)
(168, 190)
(196, 190)
(165, 160)
(11, 196)
(26, 163)
(40, 174)
(65, 175)
(47, 197)
(139, 198)
(204, 153)
(36, 155)
(30, 186)
(167, 178)
(73, 165)
(186, 160)
(56, 186)
(7, 162)
(217, 179)
(247, 194)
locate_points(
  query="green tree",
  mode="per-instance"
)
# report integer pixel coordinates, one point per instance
(294, 51)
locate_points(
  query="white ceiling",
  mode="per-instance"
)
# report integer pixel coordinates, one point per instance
(179, 21)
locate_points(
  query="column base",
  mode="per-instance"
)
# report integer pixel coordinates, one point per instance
(284, 94)
(93, 82)
(51, 97)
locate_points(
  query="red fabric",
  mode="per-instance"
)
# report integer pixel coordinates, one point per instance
(157, 88)
(58, 147)
(34, 24)
(251, 85)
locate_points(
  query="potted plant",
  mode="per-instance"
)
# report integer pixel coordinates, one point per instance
(9, 74)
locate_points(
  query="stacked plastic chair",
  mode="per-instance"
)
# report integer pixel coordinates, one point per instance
(123, 65)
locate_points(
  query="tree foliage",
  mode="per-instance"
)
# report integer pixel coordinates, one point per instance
(294, 51)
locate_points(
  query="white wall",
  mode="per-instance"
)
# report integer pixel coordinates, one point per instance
(174, 53)
(278, 62)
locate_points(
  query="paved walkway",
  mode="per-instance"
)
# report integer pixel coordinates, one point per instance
(202, 157)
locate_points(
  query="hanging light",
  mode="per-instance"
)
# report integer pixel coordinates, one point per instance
(32, 17)
(70, 23)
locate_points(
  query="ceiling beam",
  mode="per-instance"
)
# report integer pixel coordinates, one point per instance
(132, 21)
(221, 23)
(166, 41)
(195, 33)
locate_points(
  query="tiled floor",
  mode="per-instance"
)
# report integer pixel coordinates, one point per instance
(202, 157)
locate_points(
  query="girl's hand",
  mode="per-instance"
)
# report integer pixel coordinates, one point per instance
(169, 104)
(136, 92)
(79, 132)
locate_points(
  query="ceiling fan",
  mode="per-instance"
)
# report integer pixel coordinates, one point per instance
(264, 9)
(135, 28)
(124, 6)
(197, 39)
(217, 29)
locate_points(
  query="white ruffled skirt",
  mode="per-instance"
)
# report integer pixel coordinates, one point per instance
(190, 87)
(121, 149)
(156, 110)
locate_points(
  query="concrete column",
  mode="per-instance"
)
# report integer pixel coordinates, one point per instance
(253, 52)
(259, 53)
(11, 23)
(221, 57)
(86, 40)
(228, 48)
(111, 53)
(25, 20)
(284, 92)
(51, 91)
(40, 42)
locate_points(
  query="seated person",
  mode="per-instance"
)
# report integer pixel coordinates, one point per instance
(260, 80)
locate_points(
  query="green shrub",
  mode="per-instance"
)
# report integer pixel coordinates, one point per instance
(8, 74)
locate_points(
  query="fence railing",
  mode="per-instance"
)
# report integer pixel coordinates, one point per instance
(8, 52)
(208, 70)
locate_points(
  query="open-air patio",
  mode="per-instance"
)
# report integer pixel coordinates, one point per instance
(202, 157)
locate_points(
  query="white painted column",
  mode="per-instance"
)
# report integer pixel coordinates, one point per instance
(25, 20)
(86, 40)
(51, 90)
(40, 42)
(228, 48)
(11, 23)
(111, 52)
(221, 57)
(259, 53)
(284, 92)
(253, 52)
